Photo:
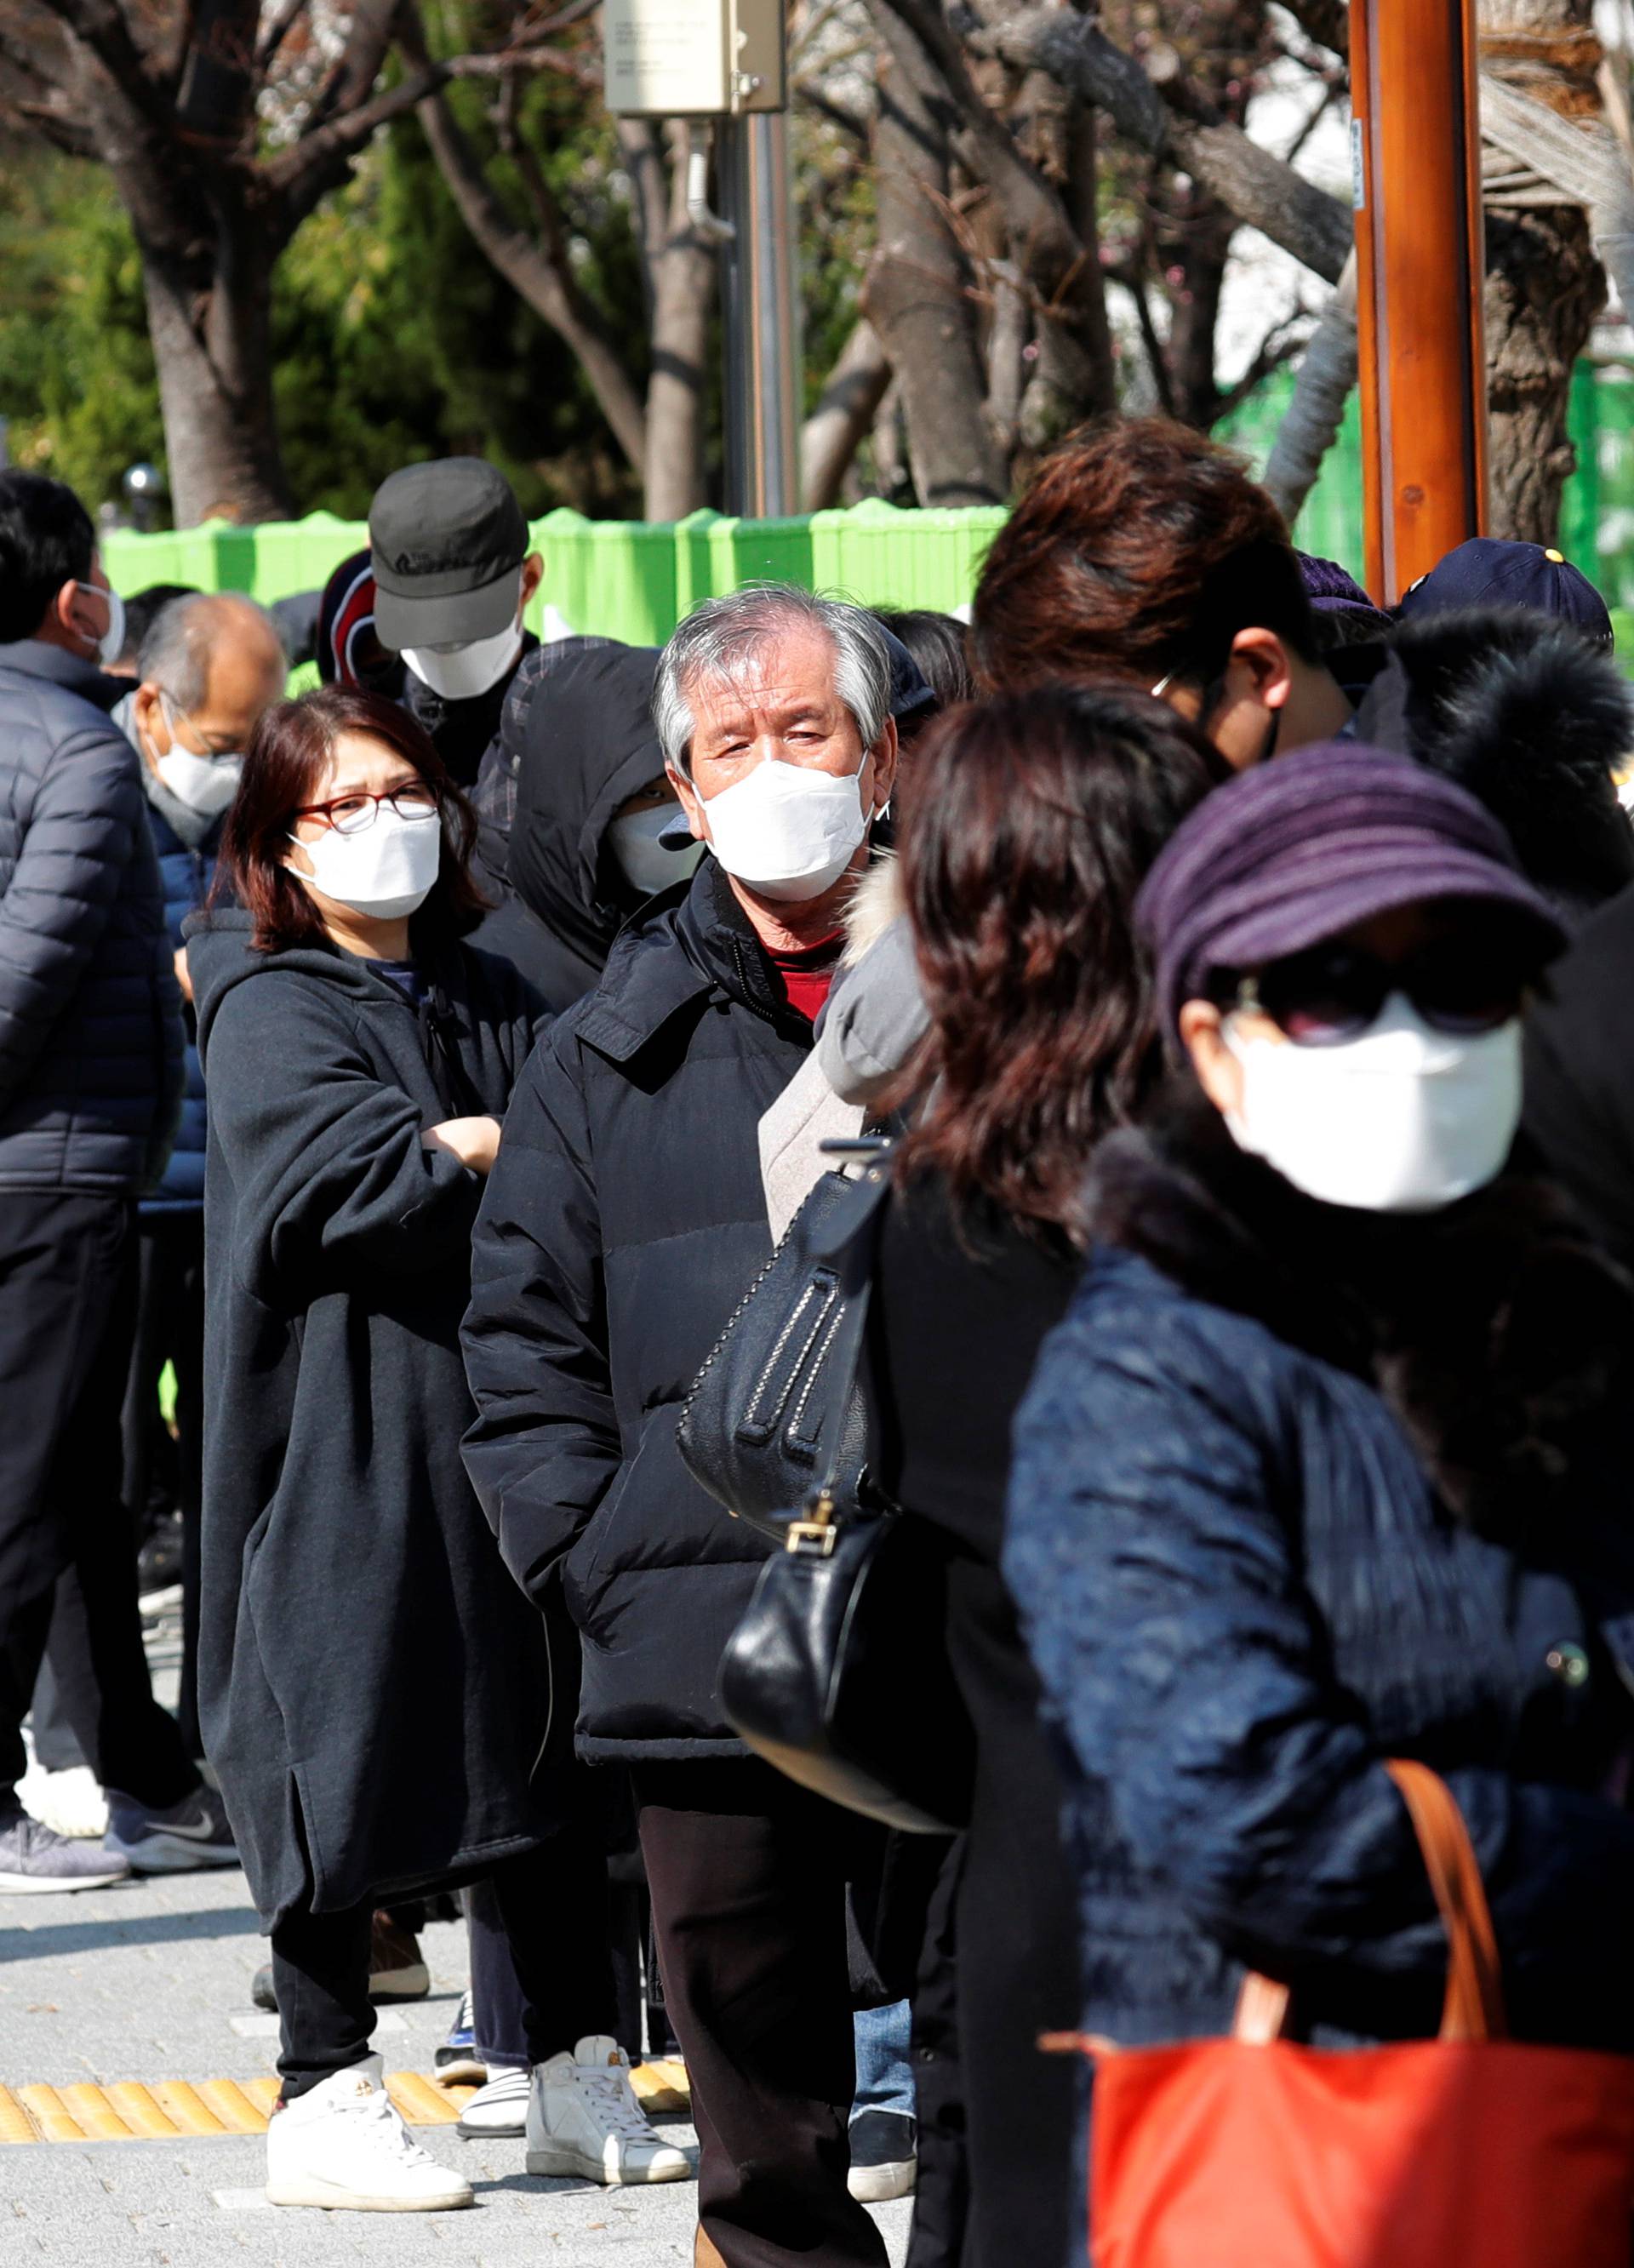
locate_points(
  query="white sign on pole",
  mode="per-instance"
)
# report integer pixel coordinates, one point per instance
(693, 58)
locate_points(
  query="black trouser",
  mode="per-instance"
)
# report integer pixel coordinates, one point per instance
(170, 1327)
(748, 1874)
(566, 1889)
(67, 1294)
(321, 1965)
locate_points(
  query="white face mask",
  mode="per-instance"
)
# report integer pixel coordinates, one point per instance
(111, 644)
(788, 830)
(386, 872)
(642, 859)
(206, 785)
(1402, 1119)
(465, 672)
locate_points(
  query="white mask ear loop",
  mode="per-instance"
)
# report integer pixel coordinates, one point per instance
(1162, 685)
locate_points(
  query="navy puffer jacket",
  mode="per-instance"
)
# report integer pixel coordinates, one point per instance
(90, 1014)
(1296, 1490)
(186, 872)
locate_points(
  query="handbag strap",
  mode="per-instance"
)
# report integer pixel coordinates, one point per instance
(815, 1529)
(1473, 2006)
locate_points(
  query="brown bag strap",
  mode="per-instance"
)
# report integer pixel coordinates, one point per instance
(1474, 2006)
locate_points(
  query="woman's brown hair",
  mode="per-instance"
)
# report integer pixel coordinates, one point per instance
(289, 753)
(1029, 825)
(1138, 551)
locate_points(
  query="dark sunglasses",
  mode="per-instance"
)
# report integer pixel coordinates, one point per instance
(1460, 985)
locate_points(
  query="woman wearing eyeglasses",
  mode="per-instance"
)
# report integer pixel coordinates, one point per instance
(375, 1692)
(1329, 1461)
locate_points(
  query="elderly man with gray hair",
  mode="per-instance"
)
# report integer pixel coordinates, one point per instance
(208, 667)
(622, 1222)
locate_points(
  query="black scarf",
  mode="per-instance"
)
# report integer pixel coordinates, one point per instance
(1500, 1337)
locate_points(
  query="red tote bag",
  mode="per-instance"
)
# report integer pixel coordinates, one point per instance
(1467, 2151)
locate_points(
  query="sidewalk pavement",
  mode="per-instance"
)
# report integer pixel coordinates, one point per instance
(151, 1981)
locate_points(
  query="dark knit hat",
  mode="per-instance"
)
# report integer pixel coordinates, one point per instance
(1304, 846)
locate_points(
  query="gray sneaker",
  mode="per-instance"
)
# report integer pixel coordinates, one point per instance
(191, 1834)
(36, 1858)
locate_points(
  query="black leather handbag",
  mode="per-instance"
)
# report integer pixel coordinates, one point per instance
(838, 1673)
(752, 1430)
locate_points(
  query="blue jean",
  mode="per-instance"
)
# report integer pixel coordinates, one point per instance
(885, 2077)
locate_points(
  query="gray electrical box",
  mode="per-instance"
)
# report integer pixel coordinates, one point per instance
(694, 58)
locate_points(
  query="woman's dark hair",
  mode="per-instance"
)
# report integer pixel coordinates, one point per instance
(1028, 826)
(283, 768)
(940, 645)
(1138, 552)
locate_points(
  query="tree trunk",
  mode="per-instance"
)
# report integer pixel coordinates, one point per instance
(1543, 289)
(842, 418)
(1312, 418)
(208, 253)
(677, 391)
(917, 296)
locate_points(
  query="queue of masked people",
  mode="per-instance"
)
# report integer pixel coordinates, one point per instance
(1062, 1188)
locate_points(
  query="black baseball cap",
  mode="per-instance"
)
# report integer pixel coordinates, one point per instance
(446, 540)
(1488, 571)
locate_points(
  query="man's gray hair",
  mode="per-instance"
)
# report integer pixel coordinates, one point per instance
(721, 638)
(175, 654)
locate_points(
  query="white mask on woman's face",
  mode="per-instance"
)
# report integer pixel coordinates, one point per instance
(466, 672)
(385, 871)
(1401, 1119)
(645, 864)
(788, 830)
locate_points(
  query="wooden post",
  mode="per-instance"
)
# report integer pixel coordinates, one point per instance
(1415, 154)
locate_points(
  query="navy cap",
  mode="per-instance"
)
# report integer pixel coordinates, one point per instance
(1487, 572)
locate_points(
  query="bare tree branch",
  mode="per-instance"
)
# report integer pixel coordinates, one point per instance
(539, 272)
(53, 125)
(351, 80)
(1327, 22)
(101, 28)
(1176, 124)
(302, 174)
(282, 25)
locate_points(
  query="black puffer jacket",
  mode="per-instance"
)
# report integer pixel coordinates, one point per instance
(90, 1014)
(622, 1223)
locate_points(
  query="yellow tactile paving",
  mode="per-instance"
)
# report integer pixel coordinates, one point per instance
(169, 2109)
(54, 2122)
(15, 2123)
(421, 2103)
(141, 2113)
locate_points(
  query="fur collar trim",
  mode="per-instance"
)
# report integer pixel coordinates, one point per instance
(1501, 1338)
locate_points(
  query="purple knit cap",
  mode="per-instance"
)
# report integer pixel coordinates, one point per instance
(1301, 848)
(1328, 585)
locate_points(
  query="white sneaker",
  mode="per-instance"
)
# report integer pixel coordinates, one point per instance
(583, 2119)
(498, 2108)
(343, 2147)
(69, 1802)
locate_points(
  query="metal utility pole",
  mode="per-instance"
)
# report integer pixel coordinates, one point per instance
(723, 65)
(1415, 154)
(762, 327)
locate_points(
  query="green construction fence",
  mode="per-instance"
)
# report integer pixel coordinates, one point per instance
(632, 580)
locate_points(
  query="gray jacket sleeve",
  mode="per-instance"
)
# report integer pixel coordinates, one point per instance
(875, 1018)
(85, 823)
